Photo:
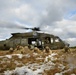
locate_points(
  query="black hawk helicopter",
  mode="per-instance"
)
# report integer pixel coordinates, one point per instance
(32, 39)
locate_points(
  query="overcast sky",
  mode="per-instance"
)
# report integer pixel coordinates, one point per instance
(56, 17)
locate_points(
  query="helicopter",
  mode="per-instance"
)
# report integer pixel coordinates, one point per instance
(32, 39)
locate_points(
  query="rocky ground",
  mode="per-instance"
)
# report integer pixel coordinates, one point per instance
(36, 62)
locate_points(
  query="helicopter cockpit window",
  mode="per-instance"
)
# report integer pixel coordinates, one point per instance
(56, 40)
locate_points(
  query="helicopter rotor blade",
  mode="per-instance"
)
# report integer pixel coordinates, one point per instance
(16, 26)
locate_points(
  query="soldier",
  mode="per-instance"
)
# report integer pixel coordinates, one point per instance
(66, 48)
(11, 50)
(46, 41)
(47, 50)
(18, 47)
(36, 50)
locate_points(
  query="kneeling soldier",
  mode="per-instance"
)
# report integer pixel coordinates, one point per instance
(66, 48)
(47, 50)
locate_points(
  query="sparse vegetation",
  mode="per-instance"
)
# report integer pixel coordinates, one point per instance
(56, 62)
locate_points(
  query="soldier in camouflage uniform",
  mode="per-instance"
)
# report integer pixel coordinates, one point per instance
(66, 48)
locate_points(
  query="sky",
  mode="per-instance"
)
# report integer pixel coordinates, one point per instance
(56, 17)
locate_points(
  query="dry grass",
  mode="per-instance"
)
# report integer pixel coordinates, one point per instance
(66, 59)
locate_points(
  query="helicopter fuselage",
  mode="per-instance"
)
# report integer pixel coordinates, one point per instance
(35, 39)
